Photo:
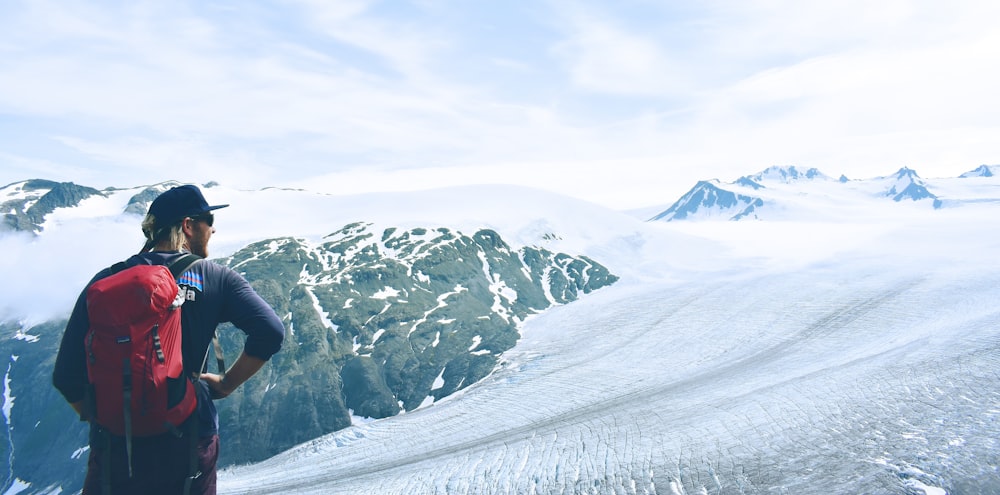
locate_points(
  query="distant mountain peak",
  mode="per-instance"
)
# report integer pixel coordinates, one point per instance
(789, 193)
(138, 204)
(908, 185)
(25, 204)
(707, 200)
(787, 174)
(982, 171)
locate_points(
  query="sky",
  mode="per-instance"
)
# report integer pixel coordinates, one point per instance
(626, 104)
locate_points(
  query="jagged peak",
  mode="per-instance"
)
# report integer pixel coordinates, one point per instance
(906, 172)
(139, 203)
(711, 186)
(982, 171)
(32, 184)
(904, 177)
(708, 199)
(709, 182)
(787, 173)
(906, 184)
(38, 186)
(25, 204)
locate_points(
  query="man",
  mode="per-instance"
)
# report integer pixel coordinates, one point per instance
(179, 221)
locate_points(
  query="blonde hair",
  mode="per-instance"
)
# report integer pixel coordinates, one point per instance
(173, 234)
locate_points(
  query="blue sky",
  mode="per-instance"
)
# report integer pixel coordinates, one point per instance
(625, 103)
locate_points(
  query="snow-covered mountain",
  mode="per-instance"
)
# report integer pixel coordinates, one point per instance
(707, 200)
(847, 348)
(779, 193)
(786, 174)
(982, 171)
(26, 204)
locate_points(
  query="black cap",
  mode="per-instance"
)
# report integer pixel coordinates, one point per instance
(178, 203)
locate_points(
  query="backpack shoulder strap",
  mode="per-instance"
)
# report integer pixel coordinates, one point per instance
(182, 264)
(177, 267)
(117, 267)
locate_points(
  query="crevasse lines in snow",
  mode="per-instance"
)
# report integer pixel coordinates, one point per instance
(843, 387)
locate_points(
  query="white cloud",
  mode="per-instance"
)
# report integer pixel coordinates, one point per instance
(183, 160)
(603, 57)
(928, 108)
(291, 90)
(50, 276)
(610, 182)
(406, 46)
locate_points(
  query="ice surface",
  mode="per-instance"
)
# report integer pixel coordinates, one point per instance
(822, 381)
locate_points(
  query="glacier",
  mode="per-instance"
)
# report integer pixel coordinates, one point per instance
(860, 354)
(784, 383)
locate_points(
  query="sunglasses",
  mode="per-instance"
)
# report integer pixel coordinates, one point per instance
(208, 218)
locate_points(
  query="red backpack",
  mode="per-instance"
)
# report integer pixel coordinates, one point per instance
(134, 363)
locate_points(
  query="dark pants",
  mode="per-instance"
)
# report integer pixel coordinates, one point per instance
(160, 466)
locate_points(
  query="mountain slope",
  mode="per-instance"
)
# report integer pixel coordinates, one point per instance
(982, 171)
(392, 320)
(907, 185)
(25, 204)
(708, 200)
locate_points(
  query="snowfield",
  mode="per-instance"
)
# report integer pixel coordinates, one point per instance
(785, 383)
(854, 355)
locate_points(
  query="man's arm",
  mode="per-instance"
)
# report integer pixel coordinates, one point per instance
(245, 367)
(245, 309)
(265, 332)
(69, 375)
